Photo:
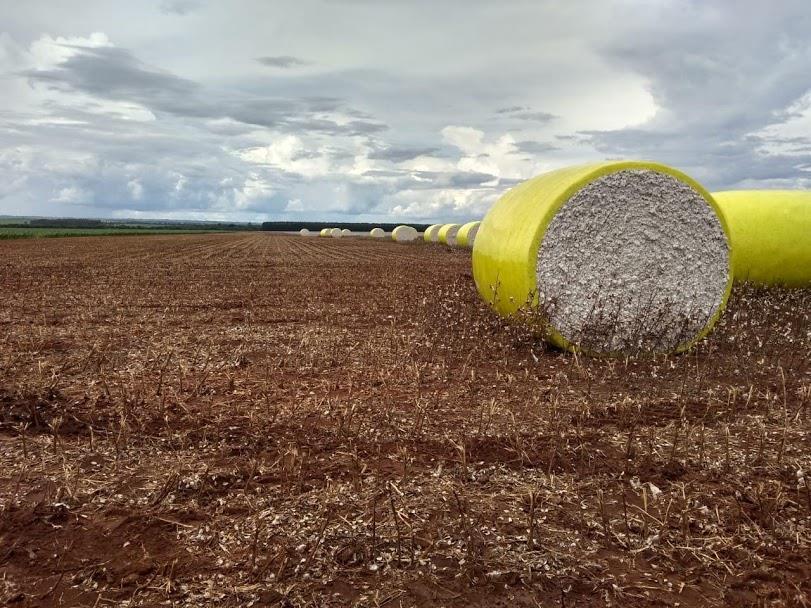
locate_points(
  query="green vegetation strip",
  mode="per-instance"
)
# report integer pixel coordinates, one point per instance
(40, 233)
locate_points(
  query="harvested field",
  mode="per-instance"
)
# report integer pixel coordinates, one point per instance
(266, 420)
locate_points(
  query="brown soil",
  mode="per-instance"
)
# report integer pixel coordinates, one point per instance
(260, 420)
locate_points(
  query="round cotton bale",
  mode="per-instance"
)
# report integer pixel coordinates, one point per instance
(336, 233)
(304, 232)
(325, 232)
(612, 258)
(447, 234)
(405, 234)
(769, 235)
(377, 233)
(431, 234)
(346, 232)
(467, 234)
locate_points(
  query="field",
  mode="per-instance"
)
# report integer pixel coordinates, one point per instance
(268, 420)
(8, 232)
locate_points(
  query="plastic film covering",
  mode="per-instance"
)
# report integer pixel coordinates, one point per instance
(467, 234)
(769, 235)
(447, 234)
(405, 234)
(431, 234)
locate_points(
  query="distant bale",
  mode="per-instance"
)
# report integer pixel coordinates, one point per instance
(405, 234)
(336, 233)
(614, 258)
(769, 235)
(377, 233)
(346, 232)
(304, 232)
(447, 234)
(431, 234)
(467, 234)
(325, 232)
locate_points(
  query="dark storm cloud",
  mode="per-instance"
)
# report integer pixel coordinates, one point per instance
(398, 155)
(282, 61)
(525, 113)
(116, 74)
(179, 7)
(535, 147)
(716, 88)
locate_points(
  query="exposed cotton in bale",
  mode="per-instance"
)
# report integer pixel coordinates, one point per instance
(431, 234)
(613, 258)
(467, 234)
(336, 233)
(447, 234)
(304, 232)
(769, 235)
(377, 233)
(405, 234)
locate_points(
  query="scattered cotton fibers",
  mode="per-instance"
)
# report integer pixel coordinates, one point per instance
(634, 260)
(336, 233)
(304, 232)
(405, 234)
(377, 233)
(431, 234)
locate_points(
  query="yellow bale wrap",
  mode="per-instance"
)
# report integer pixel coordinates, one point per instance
(467, 234)
(447, 234)
(505, 252)
(431, 234)
(769, 235)
(324, 232)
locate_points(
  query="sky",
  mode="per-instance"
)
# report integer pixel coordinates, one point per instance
(386, 110)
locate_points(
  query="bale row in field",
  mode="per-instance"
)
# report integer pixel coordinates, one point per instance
(377, 233)
(431, 234)
(613, 257)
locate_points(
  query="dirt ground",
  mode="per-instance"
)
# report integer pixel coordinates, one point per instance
(260, 420)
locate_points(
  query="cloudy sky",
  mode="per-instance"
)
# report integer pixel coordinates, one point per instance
(386, 109)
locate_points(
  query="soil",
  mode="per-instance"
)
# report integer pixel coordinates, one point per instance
(275, 420)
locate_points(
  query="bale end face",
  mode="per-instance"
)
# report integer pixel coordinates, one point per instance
(404, 234)
(614, 258)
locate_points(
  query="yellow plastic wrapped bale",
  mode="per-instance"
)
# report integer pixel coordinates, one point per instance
(467, 234)
(324, 232)
(405, 234)
(607, 258)
(431, 234)
(447, 234)
(769, 235)
(377, 233)
(336, 233)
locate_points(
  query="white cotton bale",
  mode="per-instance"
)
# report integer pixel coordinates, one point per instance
(346, 232)
(336, 233)
(324, 232)
(405, 234)
(377, 233)
(304, 232)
